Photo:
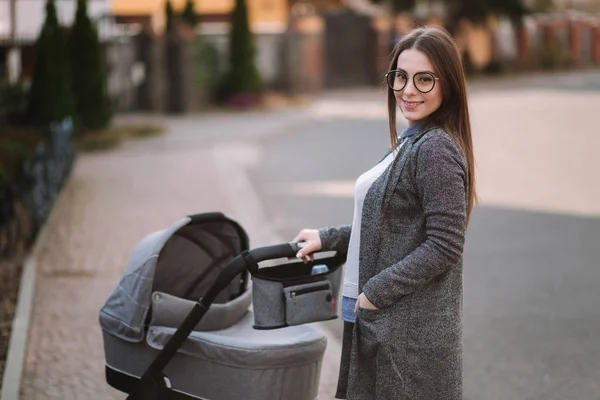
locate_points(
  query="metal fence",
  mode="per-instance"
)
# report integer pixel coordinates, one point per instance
(26, 202)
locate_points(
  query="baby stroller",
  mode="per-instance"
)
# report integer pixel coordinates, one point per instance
(178, 324)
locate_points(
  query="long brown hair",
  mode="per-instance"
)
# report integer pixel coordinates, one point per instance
(453, 114)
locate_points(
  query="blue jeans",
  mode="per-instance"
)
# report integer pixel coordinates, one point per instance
(348, 305)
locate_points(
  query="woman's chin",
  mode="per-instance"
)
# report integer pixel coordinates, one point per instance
(411, 117)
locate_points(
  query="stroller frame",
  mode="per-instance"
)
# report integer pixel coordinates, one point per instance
(154, 384)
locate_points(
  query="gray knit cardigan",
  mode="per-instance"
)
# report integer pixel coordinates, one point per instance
(410, 268)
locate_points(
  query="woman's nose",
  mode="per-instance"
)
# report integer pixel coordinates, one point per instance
(410, 87)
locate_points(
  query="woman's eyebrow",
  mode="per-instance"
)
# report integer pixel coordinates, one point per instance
(418, 72)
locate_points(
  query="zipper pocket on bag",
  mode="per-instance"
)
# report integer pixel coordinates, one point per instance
(310, 302)
(307, 290)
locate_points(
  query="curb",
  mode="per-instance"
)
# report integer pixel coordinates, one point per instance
(17, 345)
(13, 369)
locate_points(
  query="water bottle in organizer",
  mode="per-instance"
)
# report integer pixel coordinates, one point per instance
(319, 269)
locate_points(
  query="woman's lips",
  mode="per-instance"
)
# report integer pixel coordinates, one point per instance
(411, 105)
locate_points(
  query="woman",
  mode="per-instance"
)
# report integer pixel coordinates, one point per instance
(402, 295)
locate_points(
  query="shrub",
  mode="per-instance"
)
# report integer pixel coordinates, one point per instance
(494, 68)
(92, 105)
(50, 95)
(243, 76)
(169, 16)
(17, 145)
(13, 101)
(208, 66)
(189, 14)
(468, 65)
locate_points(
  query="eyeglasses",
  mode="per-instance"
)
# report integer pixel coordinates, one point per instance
(423, 81)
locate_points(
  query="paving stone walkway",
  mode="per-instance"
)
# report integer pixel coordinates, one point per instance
(111, 201)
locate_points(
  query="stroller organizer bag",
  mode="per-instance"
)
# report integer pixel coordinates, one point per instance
(293, 293)
(181, 323)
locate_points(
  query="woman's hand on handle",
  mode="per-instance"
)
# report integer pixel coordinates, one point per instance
(312, 243)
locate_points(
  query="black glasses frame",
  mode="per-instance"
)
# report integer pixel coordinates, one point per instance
(435, 78)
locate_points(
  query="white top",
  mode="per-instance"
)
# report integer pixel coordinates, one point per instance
(361, 187)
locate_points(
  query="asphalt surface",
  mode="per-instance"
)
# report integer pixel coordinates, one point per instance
(531, 319)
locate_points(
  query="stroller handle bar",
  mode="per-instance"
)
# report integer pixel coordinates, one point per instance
(249, 259)
(288, 250)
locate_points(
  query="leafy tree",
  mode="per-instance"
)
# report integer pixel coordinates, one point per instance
(477, 11)
(542, 5)
(243, 75)
(513, 9)
(189, 14)
(50, 95)
(398, 6)
(92, 104)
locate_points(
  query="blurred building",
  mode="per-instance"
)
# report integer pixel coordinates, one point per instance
(264, 15)
(587, 6)
(322, 5)
(590, 6)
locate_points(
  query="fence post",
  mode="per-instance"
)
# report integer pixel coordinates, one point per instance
(305, 55)
(574, 40)
(382, 30)
(179, 57)
(595, 42)
(523, 45)
(151, 54)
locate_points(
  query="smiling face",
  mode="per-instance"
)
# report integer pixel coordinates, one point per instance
(414, 104)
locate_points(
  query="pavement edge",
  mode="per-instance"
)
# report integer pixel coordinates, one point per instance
(19, 336)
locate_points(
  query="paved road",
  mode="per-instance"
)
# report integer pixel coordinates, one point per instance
(532, 256)
(531, 276)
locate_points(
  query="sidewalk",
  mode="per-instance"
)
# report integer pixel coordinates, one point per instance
(111, 201)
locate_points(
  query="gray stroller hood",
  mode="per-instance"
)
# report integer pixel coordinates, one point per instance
(182, 261)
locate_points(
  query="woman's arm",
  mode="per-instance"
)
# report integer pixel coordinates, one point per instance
(441, 181)
(336, 238)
